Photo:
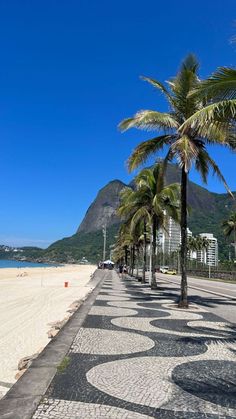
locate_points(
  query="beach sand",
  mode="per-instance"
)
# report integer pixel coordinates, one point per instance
(28, 303)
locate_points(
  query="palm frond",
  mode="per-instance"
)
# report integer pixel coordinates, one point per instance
(158, 173)
(184, 82)
(149, 120)
(145, 179)
(186, 151)
(215, 113)
(230, 225)
(160, 86)
(141, 213)
(220, 85)
(144, 150)
(204, 162)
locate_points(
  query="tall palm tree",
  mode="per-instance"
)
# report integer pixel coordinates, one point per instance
(149, 203)
(123, 245)
(159, 201)
(130, 203)
(230, 228)
(188, 147)
(196, 244)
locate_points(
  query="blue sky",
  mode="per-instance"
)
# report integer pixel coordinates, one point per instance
(69, 73)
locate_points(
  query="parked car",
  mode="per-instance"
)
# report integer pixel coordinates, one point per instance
(170, 271)
(164, 269)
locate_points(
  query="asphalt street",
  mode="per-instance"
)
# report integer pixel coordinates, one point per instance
(217, 297)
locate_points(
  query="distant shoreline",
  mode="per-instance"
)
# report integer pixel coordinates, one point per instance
(14, 263)
(18, 263)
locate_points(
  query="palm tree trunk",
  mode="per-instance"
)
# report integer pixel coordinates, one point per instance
(154, 245)
(150, 255)
(235, 242)
(183, 302)
(137, 261)
(144, 253)
(132, 260)
(126, 256)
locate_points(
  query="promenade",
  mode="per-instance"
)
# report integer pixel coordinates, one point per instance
(138, 356)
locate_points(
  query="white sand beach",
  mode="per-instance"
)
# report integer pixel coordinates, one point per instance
(28, 303)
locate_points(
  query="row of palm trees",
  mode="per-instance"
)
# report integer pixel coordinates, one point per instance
(144, 210)
(197, 243)
(230, 229)
(200, 113)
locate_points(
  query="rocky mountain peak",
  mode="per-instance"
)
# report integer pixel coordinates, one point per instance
(103, 209)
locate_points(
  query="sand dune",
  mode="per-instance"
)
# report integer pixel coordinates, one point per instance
(28, 303)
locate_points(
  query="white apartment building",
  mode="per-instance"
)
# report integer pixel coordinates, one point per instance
(169, 239)
(209, 256)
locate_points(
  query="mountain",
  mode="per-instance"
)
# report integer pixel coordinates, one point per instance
(103, 209)
(207, 212)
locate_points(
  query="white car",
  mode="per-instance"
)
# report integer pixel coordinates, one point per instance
(164, 269)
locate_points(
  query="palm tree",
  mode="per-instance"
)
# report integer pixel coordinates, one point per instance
(130, 203)
(202, 243)
(188, 147)
(196, 244)
(149, 203)
(230, 228)
(123, 246)
(159, 201)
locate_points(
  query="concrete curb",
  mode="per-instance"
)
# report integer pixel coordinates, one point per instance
(22, 399)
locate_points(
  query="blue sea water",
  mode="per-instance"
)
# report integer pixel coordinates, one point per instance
(17, 264)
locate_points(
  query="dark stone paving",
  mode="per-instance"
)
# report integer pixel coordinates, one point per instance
(136, 357)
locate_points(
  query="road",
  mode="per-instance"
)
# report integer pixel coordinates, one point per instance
(217, 297)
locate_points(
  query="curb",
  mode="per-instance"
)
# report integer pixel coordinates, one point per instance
(22, 399)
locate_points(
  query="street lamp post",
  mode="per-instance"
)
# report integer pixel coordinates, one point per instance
(104, 230)
(150, 258)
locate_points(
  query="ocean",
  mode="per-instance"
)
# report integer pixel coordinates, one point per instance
(6, 263)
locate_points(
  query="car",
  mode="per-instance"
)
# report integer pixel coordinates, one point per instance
(171, 272)
(164, 269)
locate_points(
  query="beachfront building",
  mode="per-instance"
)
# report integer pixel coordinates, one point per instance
(209, 256)
(169, 239)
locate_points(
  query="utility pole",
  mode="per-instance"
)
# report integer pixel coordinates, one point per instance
(150, 258)
(104, 230)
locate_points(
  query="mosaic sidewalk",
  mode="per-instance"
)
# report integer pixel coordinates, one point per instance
(138, 356)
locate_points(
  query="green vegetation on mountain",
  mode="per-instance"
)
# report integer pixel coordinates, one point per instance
(208, 211)
(89, 245)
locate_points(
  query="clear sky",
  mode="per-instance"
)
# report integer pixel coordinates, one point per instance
(69, 73)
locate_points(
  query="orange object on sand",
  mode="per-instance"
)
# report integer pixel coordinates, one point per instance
(66, 284)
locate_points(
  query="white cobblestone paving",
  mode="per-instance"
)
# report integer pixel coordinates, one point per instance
(143, 324)
(178, 364)
(136, 305)
(192, 307)
(109, 342)
(111, 298)
(172, 314)
(219, 326)
(63, 409)
(147, 380)
(110, 311)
